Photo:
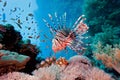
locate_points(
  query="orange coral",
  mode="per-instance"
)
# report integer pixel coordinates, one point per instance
(62, 61)
(117, 55)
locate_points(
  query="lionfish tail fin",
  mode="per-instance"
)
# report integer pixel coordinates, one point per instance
(79, 50)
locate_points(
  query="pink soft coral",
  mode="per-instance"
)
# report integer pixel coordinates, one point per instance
(48, 73)
(97, 74)
(18, 76)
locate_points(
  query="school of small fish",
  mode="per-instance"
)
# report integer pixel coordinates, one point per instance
(17, 11)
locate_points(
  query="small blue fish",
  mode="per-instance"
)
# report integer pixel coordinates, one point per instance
(29, 4)
(4, 17)
(5, 3)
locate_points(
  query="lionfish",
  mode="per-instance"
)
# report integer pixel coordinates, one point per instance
(64, 36)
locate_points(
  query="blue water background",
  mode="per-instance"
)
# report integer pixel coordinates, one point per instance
(40, 9)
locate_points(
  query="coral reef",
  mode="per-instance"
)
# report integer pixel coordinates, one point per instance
(18, 76)
(97, 74)
(31, 51)
(48, 73)
(47, 62)
(12, 61)
(12, 40)
(62, 62)
(77, 68)
(102, 19)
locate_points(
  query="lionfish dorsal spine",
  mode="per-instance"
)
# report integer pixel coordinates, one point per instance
(64, 19)
(49, 26)
(78, 20)
(53, 22)
(60, 27)
(57, 21)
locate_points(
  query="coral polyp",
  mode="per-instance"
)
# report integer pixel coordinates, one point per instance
(64, 36)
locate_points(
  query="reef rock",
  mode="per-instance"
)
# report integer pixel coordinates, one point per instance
(12, 61)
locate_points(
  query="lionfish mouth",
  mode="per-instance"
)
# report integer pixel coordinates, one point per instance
(71, 37)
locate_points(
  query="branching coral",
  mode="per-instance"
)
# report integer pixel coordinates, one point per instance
(110, 57)
(77, 68)
(111, 61)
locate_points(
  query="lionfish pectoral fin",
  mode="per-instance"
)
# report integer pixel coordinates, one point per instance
(78, 49)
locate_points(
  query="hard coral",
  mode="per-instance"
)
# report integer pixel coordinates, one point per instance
(31, 51)
(28, 47)
(12, 40)
(12, 61)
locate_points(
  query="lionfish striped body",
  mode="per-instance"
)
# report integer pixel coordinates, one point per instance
(67, 37)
